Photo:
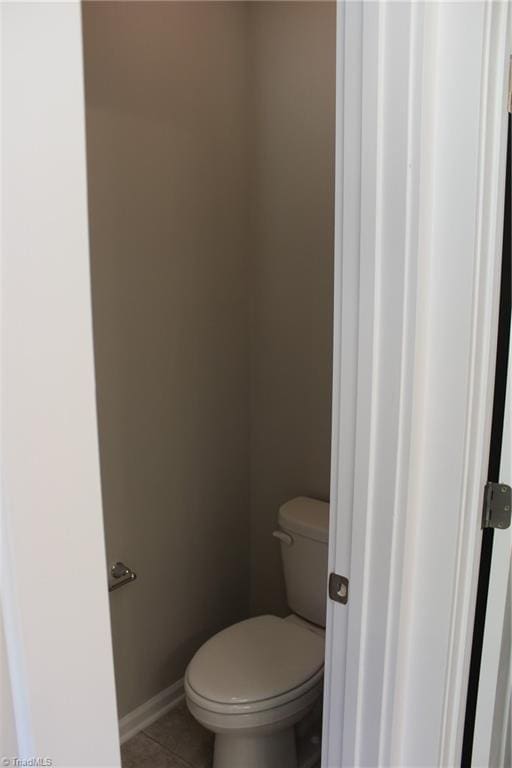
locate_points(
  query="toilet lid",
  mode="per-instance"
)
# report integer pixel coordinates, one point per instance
(257, 659)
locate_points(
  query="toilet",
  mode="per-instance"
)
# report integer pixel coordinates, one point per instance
(252, 683)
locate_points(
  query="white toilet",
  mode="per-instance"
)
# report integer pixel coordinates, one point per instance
(253, 682)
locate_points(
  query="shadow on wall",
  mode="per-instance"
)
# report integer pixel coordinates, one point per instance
(210, 142)
(293, 49)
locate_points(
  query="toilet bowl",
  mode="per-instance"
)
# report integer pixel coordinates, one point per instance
(250, 685)
(253, 682)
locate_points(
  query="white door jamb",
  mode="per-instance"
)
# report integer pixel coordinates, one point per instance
(420, 163)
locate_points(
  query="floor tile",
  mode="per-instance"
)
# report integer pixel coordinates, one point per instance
(179, 733)
(142, 752)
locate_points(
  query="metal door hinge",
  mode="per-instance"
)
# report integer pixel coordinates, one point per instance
(497, 504)
(338, 588)
(509, 100)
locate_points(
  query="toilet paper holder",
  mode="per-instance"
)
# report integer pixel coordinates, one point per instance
(121, 574)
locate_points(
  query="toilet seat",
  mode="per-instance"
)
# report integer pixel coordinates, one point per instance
(256, 665)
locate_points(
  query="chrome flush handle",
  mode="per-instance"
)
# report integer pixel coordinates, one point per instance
(284, 537)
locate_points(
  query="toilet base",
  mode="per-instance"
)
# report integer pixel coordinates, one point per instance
(272, 750)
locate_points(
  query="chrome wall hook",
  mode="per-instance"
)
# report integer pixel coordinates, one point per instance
(121, 575)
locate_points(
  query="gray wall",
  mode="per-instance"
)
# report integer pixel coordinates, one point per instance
(292, 72)
(210, 134)
(165, 90)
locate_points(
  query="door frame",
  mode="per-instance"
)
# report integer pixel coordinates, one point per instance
(420, 164)
(488, 725)
(493, 714)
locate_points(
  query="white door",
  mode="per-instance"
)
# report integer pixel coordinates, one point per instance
(56, 665)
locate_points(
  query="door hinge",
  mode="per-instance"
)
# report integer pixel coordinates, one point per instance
(509, 100)
(497, 503)
(338, 588)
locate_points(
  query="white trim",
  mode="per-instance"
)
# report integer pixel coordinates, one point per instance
(347, 181)
(151, 710)
(419, 217)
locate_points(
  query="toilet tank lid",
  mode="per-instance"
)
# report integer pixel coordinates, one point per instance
(307, 517)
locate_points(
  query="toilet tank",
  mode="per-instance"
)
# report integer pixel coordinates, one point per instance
(303, 532)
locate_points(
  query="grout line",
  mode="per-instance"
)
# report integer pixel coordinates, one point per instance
(166, 749)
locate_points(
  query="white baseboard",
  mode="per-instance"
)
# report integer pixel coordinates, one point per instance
(151, 710)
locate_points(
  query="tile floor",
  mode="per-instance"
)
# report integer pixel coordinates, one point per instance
(178, 741)
(174, 741)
